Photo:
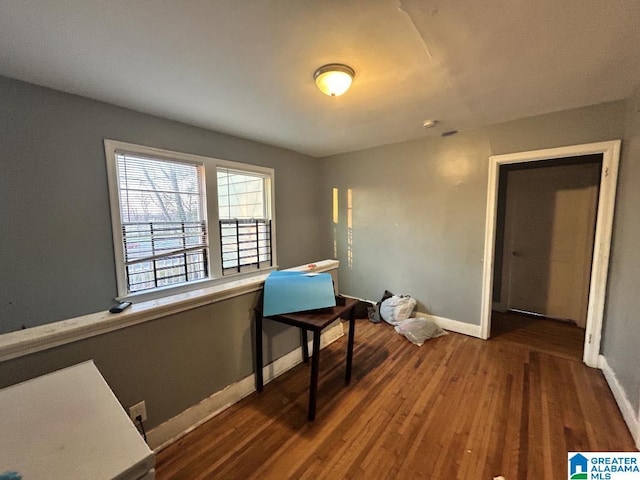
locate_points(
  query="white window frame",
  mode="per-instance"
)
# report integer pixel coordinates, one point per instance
(268, 207)
(210, 164)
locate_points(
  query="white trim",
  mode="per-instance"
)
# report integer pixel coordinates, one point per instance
(210, 211)
(489, 247)
(610, 151)
(172, 290)
(448, 324)
(628, 413)
(453, 325)
(31, 340)
(110, 148)
(183, 423)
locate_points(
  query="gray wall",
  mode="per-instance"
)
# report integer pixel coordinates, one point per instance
(622, 323)
(418, 209)
(56, 248)
(417, 221)
(57, 256)
(172, 363)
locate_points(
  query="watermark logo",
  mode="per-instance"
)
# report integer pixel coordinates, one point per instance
(603, 465)
(578, 465)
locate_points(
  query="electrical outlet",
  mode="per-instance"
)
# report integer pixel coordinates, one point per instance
(138, 409)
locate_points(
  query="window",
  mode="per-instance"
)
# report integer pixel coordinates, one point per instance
(164, 231)
(160, 203)
(245, 227)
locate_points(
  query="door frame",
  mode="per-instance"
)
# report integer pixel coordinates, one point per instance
(610, 151)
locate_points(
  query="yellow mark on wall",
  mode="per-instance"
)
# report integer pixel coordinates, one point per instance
(335, 222)
(350, 227)
(349, 208)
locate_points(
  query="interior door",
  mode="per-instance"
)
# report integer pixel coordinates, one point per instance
(549, 230)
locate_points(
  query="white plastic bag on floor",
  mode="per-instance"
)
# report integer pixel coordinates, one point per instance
(397, 308)
(420, 329)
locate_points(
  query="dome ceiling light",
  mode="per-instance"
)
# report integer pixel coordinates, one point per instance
(334, 79)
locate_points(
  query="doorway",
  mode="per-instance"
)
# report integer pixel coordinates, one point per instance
(609, 152)
(544, 237)
(544, 248)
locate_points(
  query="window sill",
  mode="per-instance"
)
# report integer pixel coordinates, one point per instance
(32, 340)
(207, 284)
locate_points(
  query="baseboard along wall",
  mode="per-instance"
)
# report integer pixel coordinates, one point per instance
(455, 326)
(183, 423)
(191, 418)
(628, 412)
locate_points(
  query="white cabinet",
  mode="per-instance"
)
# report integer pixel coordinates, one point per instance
(68, 424)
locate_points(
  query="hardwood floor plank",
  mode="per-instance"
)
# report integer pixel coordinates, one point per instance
(457, 407)
(555, 337)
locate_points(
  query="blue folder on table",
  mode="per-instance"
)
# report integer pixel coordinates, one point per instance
(288, 292)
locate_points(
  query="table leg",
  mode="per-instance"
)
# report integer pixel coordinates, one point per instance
(313, 388)
(259, 381)
(305, 345)
(352, 332)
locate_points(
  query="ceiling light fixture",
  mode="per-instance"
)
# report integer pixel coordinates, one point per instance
(429, 123)
(334, 79)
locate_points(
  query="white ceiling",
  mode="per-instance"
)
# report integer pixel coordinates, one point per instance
(245, 67)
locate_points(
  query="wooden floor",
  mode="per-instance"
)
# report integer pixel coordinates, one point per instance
(457, 407)
(550, 336)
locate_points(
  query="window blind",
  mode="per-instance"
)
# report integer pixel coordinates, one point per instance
(164, 230)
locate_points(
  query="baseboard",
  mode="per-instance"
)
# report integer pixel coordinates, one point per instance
(628, 413)
(178, 426)
(454, 325)
(446, 323)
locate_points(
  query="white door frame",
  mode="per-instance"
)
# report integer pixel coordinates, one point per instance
(610, 151)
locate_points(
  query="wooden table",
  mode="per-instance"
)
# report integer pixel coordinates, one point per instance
(314, 321)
